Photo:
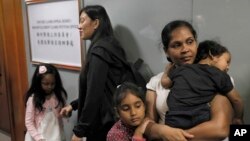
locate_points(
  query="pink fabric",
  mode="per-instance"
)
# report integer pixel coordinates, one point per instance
(134, 138)
(121, 132)
(33, 117)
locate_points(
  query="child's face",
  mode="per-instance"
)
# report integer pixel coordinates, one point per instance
(48, 83)
(223, 61)
(131, 110)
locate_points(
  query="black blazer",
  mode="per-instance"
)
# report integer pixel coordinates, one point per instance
(97, 83)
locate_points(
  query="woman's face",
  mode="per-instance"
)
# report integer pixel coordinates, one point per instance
(131, 110)
(87, 26)
(182, 47)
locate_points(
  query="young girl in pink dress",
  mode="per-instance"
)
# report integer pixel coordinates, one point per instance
(44, 100)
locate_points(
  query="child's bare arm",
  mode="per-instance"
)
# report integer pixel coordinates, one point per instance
(165, 80)
(238, 106)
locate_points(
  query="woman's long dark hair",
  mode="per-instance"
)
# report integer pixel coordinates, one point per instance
(36, 87)
(104, 30)
(105, 27)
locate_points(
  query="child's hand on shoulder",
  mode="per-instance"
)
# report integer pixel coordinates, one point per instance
(139, 131)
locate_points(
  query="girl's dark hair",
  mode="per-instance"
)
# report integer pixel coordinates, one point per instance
(166, 34)
(124, 89)
(36, 87)
(209, 47)
(98, 12)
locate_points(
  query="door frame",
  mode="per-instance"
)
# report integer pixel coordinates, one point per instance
(15, 65)
(3, 87)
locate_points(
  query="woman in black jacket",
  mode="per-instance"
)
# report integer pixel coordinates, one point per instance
(98, 78)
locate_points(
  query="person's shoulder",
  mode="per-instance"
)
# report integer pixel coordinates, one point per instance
(208, 68)
(115, 132)
(190, 66)
(185, 67)
(31, 97)
(106, 41)
(109, 44)
(30, 100)
(101, 51)
(216, 70)
(117, 126)
(157, 76)
(154, 81)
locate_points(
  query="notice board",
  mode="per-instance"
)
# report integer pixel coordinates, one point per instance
(53, 33)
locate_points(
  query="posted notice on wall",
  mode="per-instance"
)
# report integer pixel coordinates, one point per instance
(54, 36)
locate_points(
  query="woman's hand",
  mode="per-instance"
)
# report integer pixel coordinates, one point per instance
(219, 126)
(66, 111)
(174, 134)
(166, 133)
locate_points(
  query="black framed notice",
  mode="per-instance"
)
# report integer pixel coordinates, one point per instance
(53, 33)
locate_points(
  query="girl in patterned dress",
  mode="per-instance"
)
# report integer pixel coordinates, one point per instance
(44, 100)
(129, 101)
